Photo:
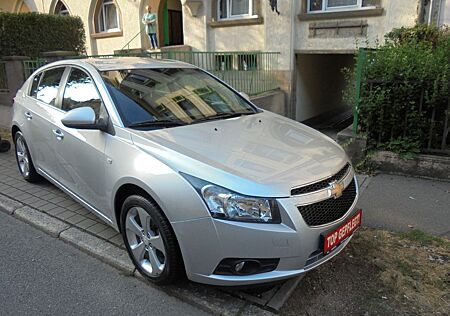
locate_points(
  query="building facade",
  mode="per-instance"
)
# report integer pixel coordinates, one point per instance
(315, 38)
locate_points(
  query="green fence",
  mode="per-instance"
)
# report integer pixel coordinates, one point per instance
(29, 66)
(3, 78)
(249, 72)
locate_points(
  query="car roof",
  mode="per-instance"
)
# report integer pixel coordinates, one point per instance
(118, 63)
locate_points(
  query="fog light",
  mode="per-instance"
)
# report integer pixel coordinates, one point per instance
(247, 266)
(238, 267)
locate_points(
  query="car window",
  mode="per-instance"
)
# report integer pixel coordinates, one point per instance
(182, 95)
(80, 91)
(48, 87)
(34, 85)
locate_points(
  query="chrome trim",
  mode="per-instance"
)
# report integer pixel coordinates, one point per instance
(322, 179)
(321, 195)
(76, 197)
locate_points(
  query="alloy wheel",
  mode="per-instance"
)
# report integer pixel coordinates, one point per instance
(22, 156)
(145, 241)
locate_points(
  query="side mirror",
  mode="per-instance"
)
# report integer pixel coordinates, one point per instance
(82, 118)
(244, 95)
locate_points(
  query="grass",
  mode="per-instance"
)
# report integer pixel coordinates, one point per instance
(424, 239)
(379, 273)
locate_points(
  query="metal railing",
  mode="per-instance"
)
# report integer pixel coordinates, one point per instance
(29, 66)
(391, 125)
(250, 72)
(3, 78)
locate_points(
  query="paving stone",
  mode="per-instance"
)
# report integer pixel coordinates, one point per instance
(8, 205)
(107, 233)
(75, 219)
(86, 223)
(99, 248)
(38, 203)
(65, 215)
(41, 220)
(97, 228)
(56, 210)
(47, 207)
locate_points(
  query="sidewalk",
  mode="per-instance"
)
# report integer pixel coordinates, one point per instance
(400, 203)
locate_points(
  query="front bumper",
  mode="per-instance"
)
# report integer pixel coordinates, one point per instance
(207, 241)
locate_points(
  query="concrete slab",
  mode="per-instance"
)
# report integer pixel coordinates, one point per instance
(42, 221)
(8, 205)
(98, 248)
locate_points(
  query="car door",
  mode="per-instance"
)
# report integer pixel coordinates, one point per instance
(80, 153)
(42, 112)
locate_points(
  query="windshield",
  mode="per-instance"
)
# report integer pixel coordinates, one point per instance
(169, 97)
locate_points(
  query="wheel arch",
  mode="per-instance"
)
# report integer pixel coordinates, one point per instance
(14, 130)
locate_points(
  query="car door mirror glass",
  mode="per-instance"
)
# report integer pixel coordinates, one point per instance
(80, 118)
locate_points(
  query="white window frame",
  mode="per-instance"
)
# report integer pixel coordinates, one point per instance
(326, 8)
(229, 16)
(101, 17)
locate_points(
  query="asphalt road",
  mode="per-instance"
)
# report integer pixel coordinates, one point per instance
(401, 203)
(43, 275)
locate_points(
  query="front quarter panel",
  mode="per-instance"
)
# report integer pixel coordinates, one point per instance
(130, 165)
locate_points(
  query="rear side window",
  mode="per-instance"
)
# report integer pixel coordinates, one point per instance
(48, 87)
(34, 85)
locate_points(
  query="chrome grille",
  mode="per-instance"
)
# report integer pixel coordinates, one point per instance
(321, 184)
(329, 210)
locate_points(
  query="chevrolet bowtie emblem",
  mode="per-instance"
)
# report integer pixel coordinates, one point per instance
(336, 189)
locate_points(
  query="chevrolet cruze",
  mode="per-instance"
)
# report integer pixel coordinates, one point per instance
(196, 178)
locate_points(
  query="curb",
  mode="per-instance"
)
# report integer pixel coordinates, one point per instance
(8, 206)
(48, 224)
(207, 298)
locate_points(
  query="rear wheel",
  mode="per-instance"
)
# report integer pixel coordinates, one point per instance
(150, 241)
(23, 158)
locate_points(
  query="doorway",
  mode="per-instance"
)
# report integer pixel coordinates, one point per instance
(175, 27)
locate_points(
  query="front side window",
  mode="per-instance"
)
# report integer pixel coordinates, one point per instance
(330, 5)
(35, 85)
(108, 17)
(49, 85)
(80, 91)
(146, 97)
(232, 9)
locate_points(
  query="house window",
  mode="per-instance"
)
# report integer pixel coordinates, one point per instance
(234, 9)
(61, 9)
(108, 17)
(223, 62)
(336, 5)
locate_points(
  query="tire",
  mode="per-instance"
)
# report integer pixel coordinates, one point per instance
(150, 240)
(23, 158)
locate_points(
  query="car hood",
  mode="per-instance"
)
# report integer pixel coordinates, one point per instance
(261, 155)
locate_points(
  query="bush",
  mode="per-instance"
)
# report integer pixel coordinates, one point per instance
(30, 34)
(404, 81)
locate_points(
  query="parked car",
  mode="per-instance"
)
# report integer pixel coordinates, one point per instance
(195, 177)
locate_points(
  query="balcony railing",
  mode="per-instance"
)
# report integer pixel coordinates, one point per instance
(250, 72)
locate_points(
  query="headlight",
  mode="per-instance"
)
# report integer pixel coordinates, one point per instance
(225, 204)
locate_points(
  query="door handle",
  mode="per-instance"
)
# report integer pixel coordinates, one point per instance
(59, 135)
(28, 115)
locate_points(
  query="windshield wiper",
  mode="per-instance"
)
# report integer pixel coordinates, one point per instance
(160, 123)
(222, 116)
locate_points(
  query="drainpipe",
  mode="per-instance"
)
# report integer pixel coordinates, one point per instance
(430, 12)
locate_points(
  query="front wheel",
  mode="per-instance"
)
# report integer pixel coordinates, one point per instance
(150, 241)
(23, 158)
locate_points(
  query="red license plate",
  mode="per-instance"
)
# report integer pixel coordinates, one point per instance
(333, 239)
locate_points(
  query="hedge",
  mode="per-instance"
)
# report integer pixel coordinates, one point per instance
(405, 91)
(30, 34)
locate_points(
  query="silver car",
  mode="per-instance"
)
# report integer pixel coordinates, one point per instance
(196, 178)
